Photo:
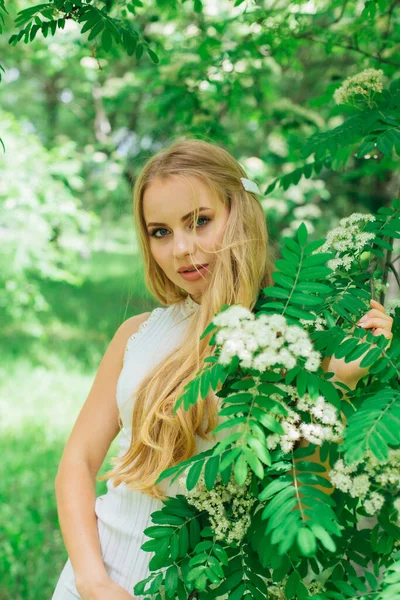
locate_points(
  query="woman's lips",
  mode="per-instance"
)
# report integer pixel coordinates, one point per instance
(193, 275)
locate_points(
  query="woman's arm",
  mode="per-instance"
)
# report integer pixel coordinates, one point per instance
(96, 427)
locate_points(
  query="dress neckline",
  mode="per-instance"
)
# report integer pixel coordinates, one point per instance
(190, 305)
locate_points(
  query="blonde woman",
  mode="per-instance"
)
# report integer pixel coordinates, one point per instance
(191, 213)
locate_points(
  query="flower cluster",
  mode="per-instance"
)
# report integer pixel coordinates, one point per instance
(320, 324)
(366, 477)
(228, 506)
(325, 423)
(366, 84)
(307, 211)
(349, 240)
(262, 342)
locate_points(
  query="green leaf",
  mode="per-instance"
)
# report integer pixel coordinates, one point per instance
(229, 458)
(306, 299)
(276, 292)
(237, 594)
(254, 463)
(323, 536)
(162, 518)
(365, 148)
(312, 287)
(234, 409)
(96, 29)
(300, 314)
(288, 493)
(152, 55)
(244, 384)
(285, 267)
(229, 423)
(268, 421)
(221, 554)
(291, 585)
(310, 467)
(357, 352)
(106, 40)
(314, 245)
(306, 542)
(171, 580)
(282, 280)
(313, 273)
(211, 471)
(194, 474)
(371, 357)
(275, 486)
(139, 51)
(260, 449)
(159, 532)
(317, 259)
(302, 234)
(346, 347)
(240, 470)
(385, 143)
(183, 540)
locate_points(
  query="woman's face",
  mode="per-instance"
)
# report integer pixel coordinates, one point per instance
(166, 208)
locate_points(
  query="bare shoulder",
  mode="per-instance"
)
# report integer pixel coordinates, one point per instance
(131, 325)
(98, 421)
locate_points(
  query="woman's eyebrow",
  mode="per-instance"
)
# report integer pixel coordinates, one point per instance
(183, 218)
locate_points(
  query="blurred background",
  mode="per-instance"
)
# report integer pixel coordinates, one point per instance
(78, 119)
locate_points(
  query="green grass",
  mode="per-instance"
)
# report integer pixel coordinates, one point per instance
(44, 380)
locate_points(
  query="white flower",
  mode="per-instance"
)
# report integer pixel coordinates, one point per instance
(360, 487)
(295, 333)
(307, 210)
(313, 432)
(301, 348)
(264, 360)
(238, 499)
(286, 444)
(313, 361)
(231, 316)
(341, 481)
(286, 358)
(374, 503)
(277, 322)
(367, 83)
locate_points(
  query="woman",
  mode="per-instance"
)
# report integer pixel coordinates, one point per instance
(154, 355)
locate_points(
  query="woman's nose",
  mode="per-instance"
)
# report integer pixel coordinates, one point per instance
(183, 244)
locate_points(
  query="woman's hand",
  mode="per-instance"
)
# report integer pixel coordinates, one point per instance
(380, 324)
(106, 590)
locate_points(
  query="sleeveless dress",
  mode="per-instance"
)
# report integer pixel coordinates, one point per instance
(123, 513)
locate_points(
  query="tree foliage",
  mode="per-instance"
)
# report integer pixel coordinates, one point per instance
(296, 525)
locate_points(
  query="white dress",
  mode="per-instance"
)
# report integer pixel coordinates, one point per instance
(122, 513)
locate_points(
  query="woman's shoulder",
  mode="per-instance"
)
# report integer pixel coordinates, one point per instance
(133, 324)
(134, 327)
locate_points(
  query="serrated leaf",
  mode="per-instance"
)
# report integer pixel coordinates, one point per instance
(254, 463)
(211, 471)
(371, 357)
(96, 29)
(306, 542)
(275, 486)
(194, 474)
(302, 234)
(240, 470)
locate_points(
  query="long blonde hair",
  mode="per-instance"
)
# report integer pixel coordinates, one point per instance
(244, 264)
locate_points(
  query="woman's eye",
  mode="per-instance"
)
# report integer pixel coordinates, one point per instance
(153, 233)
